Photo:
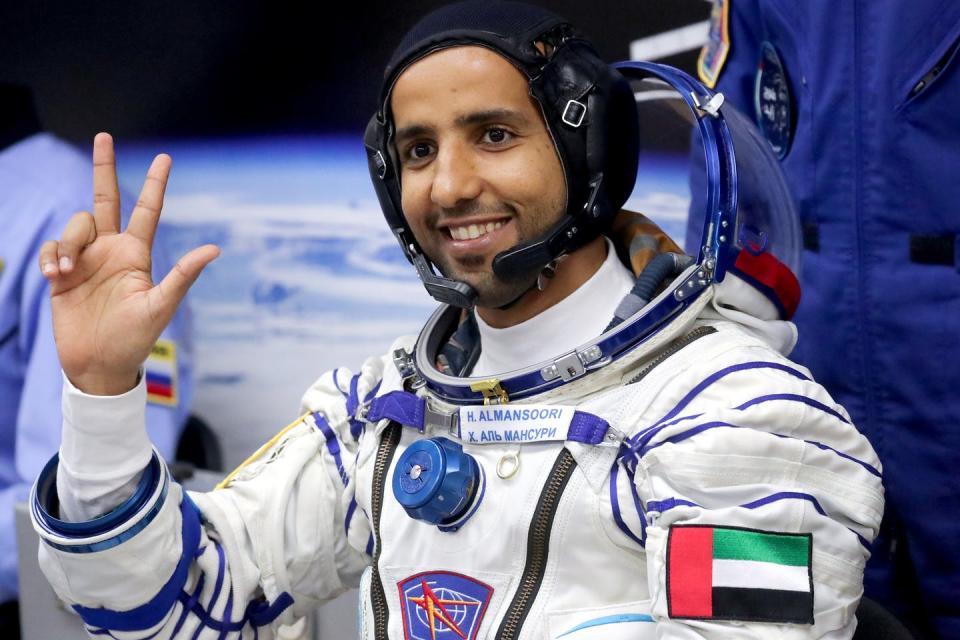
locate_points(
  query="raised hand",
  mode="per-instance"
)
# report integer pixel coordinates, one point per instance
(107, 313)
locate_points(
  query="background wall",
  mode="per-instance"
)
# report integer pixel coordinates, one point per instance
(180, 68)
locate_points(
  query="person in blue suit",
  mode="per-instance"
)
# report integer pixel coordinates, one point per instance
(859, 100)
(43, 182)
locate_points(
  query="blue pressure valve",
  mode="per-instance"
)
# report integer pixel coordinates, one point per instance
(435, 481)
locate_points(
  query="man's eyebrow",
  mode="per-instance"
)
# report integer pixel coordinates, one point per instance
(492, 115)
(508, 116)
(412, 131)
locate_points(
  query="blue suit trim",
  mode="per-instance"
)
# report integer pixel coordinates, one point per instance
(645, 448)
(351, 509)
(150, 614)
(261, 614)
(665, 505)
(873, 470)
(615, 505)
(218, 585)
(336, 383)
(356, 426)
(786, 495)
(227, 623)
(614, 619)
(187, 601)
(639, 508)
(353, 401)
(45, 502)
(662, 506)
(793, 397)
(714, 377)
(333, 445)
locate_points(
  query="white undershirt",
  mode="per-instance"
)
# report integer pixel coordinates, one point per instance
(578, 318)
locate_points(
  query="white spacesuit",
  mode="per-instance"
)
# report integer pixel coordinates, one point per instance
(725, 433)
(670, 474)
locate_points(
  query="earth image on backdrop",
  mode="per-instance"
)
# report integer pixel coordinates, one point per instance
(309, 277)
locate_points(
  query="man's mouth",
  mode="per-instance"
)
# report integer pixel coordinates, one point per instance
(473, 231)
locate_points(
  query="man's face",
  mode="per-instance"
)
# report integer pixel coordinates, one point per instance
(479, 170)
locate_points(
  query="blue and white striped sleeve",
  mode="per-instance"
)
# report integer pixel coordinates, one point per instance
(280, 535)
(750, 466)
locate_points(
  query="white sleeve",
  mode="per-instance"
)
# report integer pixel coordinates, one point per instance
(280, 535)
(761, 500)
(103, 450)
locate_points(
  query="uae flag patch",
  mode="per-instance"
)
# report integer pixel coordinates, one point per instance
(729, 573)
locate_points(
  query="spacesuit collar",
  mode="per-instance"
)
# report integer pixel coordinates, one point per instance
(449, 345)
(634, 238)
(627, 344)
(578, 317)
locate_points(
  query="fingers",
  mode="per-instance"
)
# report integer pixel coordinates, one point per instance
(81, 230)
(48, 259)
(146, 215)
(58, 258)
(167, 295)
(106, 193)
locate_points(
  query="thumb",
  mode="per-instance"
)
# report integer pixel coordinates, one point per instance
(167, 295)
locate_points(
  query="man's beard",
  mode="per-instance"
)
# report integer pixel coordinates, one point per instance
(493, 292)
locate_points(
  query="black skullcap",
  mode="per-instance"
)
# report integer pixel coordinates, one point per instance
(508, 27)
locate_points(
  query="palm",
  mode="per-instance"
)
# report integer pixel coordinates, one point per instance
(107, 313)
(105, 298)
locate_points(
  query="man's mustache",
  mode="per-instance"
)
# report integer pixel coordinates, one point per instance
(472, 208)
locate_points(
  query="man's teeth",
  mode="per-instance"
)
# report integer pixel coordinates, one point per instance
(473, 231)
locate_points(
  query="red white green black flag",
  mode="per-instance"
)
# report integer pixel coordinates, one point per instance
(728, 573)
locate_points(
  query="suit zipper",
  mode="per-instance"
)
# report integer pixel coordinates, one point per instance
(378, 599)
(538, 546)
(680, 343)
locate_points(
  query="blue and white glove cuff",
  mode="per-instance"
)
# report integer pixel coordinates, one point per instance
(106, 531)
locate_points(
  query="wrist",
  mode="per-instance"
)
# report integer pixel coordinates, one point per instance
(106, 385)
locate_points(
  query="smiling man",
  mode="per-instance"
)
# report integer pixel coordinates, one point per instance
(480, 175)
(594, 436)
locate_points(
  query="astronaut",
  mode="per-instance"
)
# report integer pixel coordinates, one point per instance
(567, 450)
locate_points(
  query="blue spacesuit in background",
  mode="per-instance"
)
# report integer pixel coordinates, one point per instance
(859, 100)
(44, 181)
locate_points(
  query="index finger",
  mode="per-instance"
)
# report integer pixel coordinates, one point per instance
(106, 193)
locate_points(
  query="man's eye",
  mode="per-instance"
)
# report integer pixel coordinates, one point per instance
(497, 135)
(419, 151)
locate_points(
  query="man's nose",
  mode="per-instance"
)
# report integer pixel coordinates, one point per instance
(456, 178)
